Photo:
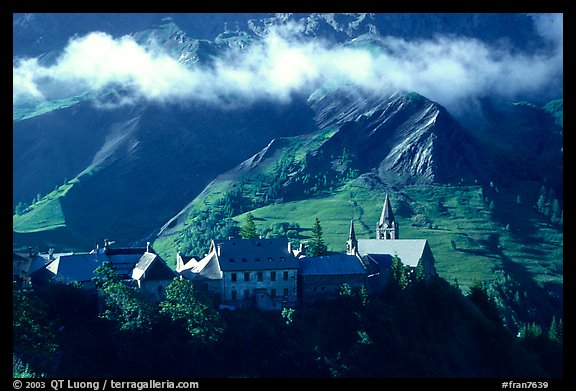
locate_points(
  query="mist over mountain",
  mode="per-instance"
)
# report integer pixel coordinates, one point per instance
(145, 110)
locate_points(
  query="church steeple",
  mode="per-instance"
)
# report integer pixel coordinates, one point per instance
(352, 244)
(387, 228)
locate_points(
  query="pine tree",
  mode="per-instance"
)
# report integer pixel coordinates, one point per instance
(317, 247)
(555, 331)
(399, 272)
(248, 230)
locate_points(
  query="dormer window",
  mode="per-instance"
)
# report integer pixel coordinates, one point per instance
(231, 260)
(244, 260)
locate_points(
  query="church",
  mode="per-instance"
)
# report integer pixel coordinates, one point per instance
(376, 254)
(270, 274)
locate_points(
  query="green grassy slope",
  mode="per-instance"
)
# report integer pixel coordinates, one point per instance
(464, 219)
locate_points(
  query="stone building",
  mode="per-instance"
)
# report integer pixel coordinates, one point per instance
(246, 273)
(321, 278)
(138, 266)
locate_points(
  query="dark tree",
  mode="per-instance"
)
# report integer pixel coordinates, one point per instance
(248, 230)
(184, 303)
(317, 247)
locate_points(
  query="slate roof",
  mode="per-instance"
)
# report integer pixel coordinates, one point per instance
(77, 267)
(188, 262)
(127, 262)
(123, 262)
(254, 254)
(408, 250)
(30, 264)
(207, 267)
(152, 266)
(330, 265)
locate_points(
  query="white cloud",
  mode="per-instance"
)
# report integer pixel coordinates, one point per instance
(448, 70)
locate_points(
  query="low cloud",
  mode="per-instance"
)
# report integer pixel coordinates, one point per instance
(451, 71)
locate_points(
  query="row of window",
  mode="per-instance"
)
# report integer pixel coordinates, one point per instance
(273, 293)
(259, 276)
(233, 260)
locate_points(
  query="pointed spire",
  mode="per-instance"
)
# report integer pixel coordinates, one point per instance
(352, 235)
(352, 244)
(387, 216)
(387, 227)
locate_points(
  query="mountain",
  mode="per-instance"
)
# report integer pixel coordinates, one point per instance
(104, 168)
(400, 139)
(35, 34)
(184, 123)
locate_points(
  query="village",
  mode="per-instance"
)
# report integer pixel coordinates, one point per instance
(262, 273)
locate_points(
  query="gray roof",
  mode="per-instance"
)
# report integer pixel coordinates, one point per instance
(383, 260)
(207, 267)
(330, 264)
(151, 266)
(77, 267)
(254, 254)
(408, 250)
(124, 263)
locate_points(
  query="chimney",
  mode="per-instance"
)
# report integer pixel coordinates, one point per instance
(290, 247)
(301, 248)
(179, 262)
(147, 247)
(51, 254)
(218, 249)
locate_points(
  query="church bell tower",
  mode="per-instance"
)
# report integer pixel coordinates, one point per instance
(387, 227)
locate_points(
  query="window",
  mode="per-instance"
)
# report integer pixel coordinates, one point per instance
(247, 276)
(282, 258)
(272, 276)
(244, 260)
(234, 295)
(260, 276)
(246, 294)
(285, 276)
(285, 291)
(257, 259)
(231, 260)
(270, 258)
(233, 277)
(273, 292)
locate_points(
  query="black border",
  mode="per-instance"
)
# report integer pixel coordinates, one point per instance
(503, 6)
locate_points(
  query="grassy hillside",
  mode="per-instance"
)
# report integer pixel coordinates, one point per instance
(467, 240)
(476, 235)
(44, 214)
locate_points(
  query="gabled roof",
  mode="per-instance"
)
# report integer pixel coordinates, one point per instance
(208, 268)
(338, 264)
(125, 251)
(77, 267)
(151, 266)
(188, 262)
(123, 260)
(254, 254)
(31, 263)
(408, 250)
